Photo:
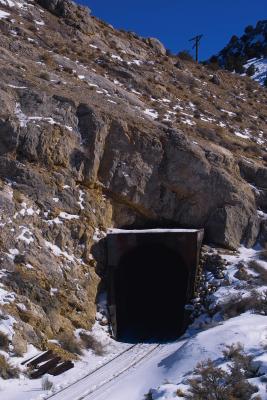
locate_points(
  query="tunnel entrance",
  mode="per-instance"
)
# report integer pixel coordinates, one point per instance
(151, 278)
(150, 287)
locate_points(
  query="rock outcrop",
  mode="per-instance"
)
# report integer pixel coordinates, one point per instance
(99, 128)
(74, 15)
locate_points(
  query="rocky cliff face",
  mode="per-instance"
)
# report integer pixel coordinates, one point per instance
(99, 128)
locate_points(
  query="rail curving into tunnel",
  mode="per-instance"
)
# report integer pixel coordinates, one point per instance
(150, 286)
(151, 277)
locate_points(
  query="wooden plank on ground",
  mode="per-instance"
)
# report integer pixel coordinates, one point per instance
(45, 368)
(63, 367)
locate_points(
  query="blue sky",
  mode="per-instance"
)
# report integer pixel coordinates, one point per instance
(174, 22)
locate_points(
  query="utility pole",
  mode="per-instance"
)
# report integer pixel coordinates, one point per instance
(196, 39)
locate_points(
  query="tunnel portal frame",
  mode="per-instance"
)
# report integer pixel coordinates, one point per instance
(185, 242)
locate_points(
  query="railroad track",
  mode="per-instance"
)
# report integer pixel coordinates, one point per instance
(86, 387)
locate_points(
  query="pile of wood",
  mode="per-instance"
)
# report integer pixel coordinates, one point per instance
(47, 363)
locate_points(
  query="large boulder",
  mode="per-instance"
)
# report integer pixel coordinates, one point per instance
(157, 46)
(74, 15)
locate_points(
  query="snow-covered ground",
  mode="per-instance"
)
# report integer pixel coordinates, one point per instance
(130, 371)
(260, 67)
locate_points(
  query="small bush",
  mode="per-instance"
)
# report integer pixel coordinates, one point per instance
(4, 342)
(249, 29)
(209, 383)
(185, 55)
(237, 305)
(148, 396)
(250, 71)
(180, 393)
(213, 383)
(46, 383)
(7, 371)
(48, 59)
(70, 343)
(213, 66)
(260, 305)
(235, 353)
(68, 70)
(242, 273)
(90, 342)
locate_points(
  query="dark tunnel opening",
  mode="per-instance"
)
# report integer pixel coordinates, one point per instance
(150, 293)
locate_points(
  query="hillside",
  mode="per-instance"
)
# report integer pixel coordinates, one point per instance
(246, 54)
(99, 128)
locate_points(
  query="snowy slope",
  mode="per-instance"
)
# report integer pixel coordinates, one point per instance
(130, 371)
(261, 69)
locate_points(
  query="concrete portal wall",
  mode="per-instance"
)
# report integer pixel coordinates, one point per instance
(185, 242)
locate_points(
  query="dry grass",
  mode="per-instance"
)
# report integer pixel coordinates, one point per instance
(69, 343)
(242, 274)
(180, 393)
(46, 383)
(90, 342)
(48, 59)
(7, 371)
(237, 305)
(4, 342)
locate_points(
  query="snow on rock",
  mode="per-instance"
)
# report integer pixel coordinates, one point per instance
(12, 253)
(151, 113)
(24, 120)
(230, 113)
(13, 3)
(67, 216)
(6, 297)
(58, 252)
(3, 14)
(26, 235)
(7, 322)
(81, 199)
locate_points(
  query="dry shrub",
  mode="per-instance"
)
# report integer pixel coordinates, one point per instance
(232, 351)
(68, 70)
(185, 78)
(242, 273)
(235, 353)
(90, 342)
(48, 59)
(4, 342)
(70, 343)
(180, 393)
(46, 383)
(185, 55)
(237, 304)
(214, 66)
(7, 371)
(213, 383)
(33, 28)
